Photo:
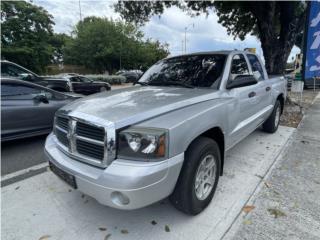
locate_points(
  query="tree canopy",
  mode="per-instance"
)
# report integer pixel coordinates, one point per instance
(105, 44)
(26, 30)
(278, 24)
(27, 38)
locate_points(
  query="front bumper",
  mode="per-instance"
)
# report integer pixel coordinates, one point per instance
(123, 184)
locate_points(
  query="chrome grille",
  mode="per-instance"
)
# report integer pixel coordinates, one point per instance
(62, 137)
(62, 122)
(89, 131)
(85, 142)
(90, 149)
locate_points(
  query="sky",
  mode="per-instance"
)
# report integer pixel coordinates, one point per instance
(204, 33)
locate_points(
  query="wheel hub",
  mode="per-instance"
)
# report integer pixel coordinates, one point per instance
(205, 177)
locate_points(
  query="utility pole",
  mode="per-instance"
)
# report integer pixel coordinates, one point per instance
(185, 39)
(185, 36)
(120, 63)
(182, 46)
(80, 10)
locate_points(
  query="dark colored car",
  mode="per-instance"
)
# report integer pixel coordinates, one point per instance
(28, 109)
(131, 75)
(63, 83)
(84, 85)
(13, 70)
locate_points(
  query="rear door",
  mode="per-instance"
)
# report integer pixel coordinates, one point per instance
(264, 85)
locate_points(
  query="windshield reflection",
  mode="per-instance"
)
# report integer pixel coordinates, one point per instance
(186, 71)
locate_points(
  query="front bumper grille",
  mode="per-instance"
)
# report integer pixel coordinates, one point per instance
(89, 131)
(62, 137)
(62, 122)
(84, 141)
(90, 149)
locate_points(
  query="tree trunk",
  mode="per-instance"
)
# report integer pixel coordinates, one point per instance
(276, 55)
(277, 45)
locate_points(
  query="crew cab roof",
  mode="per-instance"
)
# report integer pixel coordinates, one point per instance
(222, 52)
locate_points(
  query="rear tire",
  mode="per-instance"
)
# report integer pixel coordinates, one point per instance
(103, 89)
(272, 123)
(199, 177)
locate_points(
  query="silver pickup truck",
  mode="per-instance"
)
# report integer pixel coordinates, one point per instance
(168, 134)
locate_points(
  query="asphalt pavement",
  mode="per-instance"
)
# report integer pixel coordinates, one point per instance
(21, 154)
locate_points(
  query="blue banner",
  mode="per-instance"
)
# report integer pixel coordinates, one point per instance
(312, 64)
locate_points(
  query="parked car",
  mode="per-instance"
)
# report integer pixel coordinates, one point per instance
(168, 134)
(13, 70)
(84, 85)
(131, 75)
(63, 83)
(28, 109)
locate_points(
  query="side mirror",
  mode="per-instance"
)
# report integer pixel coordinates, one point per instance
(242, 81)
(41, 99)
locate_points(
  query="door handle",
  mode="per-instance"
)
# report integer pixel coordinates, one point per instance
(268, 89)
(252, 94)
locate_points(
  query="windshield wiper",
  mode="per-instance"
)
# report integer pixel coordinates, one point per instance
(168, 83)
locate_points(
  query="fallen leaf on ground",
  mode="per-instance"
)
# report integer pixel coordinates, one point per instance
(153, 222)
(44, 237)
(102, 229)
(267, 184)
(69, 190)
(276, 212)
(276, 193)
(248, 208)
(107, 236)
(247, 222)
(124, 231)
(17, 188)
(166, 228)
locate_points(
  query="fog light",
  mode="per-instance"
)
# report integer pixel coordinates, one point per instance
(119, 198)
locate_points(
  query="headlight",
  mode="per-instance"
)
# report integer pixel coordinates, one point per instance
(146, 144)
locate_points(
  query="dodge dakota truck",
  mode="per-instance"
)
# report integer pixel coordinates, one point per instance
(168, 134)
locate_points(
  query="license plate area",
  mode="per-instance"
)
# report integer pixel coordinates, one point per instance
(68, 178)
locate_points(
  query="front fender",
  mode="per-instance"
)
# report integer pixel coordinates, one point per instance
(188, 123)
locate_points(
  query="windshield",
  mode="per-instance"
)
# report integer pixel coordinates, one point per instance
(188, 71)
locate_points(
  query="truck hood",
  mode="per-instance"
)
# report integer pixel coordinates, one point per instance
(129, 106)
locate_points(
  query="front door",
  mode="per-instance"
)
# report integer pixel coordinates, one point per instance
(246, 104)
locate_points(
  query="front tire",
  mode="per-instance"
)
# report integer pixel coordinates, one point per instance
(199, 177)
(272, 123)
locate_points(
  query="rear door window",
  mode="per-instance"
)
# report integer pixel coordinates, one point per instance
(239, 66)
(75, 79)
(256, 66)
